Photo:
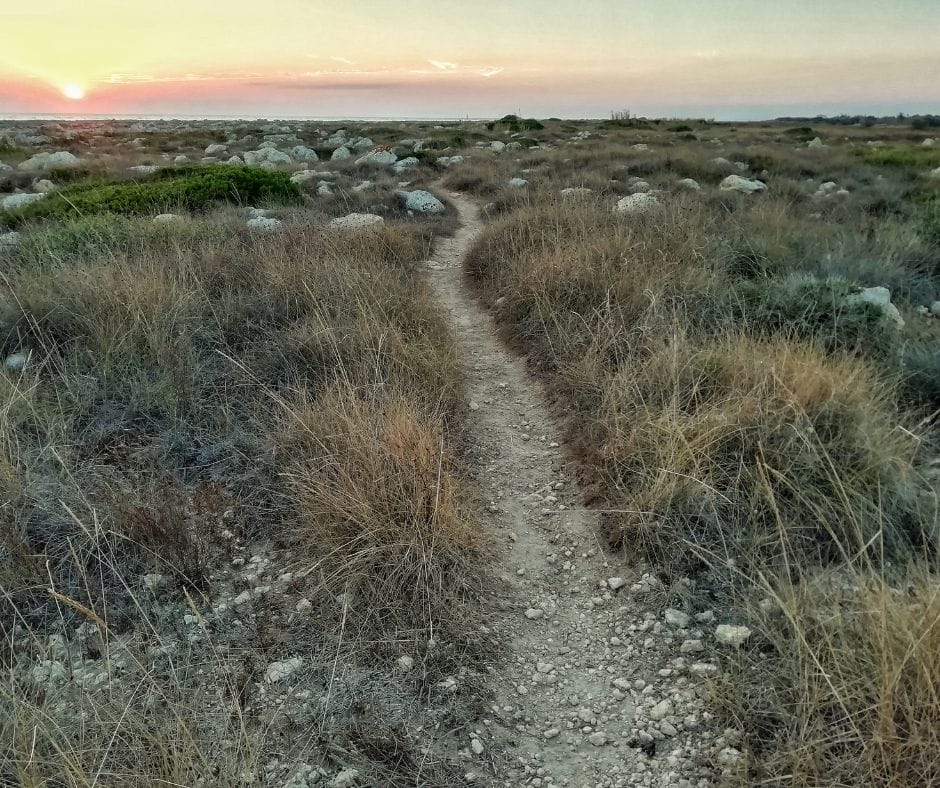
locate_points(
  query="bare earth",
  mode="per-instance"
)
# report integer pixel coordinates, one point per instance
(600, 690)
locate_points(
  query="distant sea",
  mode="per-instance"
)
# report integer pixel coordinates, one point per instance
(306, 118)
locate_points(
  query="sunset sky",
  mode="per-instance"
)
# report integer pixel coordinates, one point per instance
(449, 58)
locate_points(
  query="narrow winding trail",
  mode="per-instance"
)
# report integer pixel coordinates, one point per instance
(598, 690)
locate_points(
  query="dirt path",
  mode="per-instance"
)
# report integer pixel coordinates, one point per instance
(600, 690)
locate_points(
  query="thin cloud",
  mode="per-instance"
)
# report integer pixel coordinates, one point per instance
(444, 65)
(491, 71)
(332, 84)
(345, 60)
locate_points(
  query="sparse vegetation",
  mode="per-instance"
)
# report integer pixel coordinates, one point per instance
(224, 449)
(753, 425)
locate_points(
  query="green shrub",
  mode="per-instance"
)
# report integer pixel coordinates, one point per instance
(680, 128)
(189, 188)
(898, 156)
(802, 133)
(531, 124)
(814, 309)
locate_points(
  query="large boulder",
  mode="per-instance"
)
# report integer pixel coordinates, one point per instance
(735, 183)
(381, 156)
(637, 203)
(216, 149)
(271, 156)
(303, 153)
(9, 240)
(14, 201)
(264, 224)
(448, 161)
(341, 154)
(815, 143)
(362, 144)
(935, 174)
(336, 140)
(48, 161)
(303, 176)
(689, 184)
(518, 183)
(880, 299)
(421, 201)
(405, 164)
(356, 221)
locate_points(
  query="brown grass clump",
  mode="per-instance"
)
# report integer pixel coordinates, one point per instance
(844, 689)
(380, 504)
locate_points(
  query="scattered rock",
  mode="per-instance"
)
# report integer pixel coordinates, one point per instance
(264, 224)
(303, 176)
(405, 663)
(735, 183)
(732, 635)
(381, 156)
(48, 161)
(271, 156)
(676, 618)
(14, 201)
(815, 143)
(598, 738)
(167, 218)
(303, 153)
(637, 204)
(661, 710)
(9, 240)
(356, 221)
(518, 183)
(880, 298)
(576, 191)
(15, 362)
(421, 201)
(278, 671)
(448, 161)
(345, 779)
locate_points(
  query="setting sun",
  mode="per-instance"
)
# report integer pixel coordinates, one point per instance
(73, 91)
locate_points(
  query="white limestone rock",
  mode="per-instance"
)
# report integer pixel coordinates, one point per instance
(356, 221)
(637, 204)
(48, 161)
(735, 183)
(421, 201)
(264, 224)
(14, 201)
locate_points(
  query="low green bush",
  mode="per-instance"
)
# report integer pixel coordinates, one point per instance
(819, 310)
(901, 156)
(188, 188)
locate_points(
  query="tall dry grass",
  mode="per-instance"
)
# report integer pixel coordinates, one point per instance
(779, 463)
(196, 395)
